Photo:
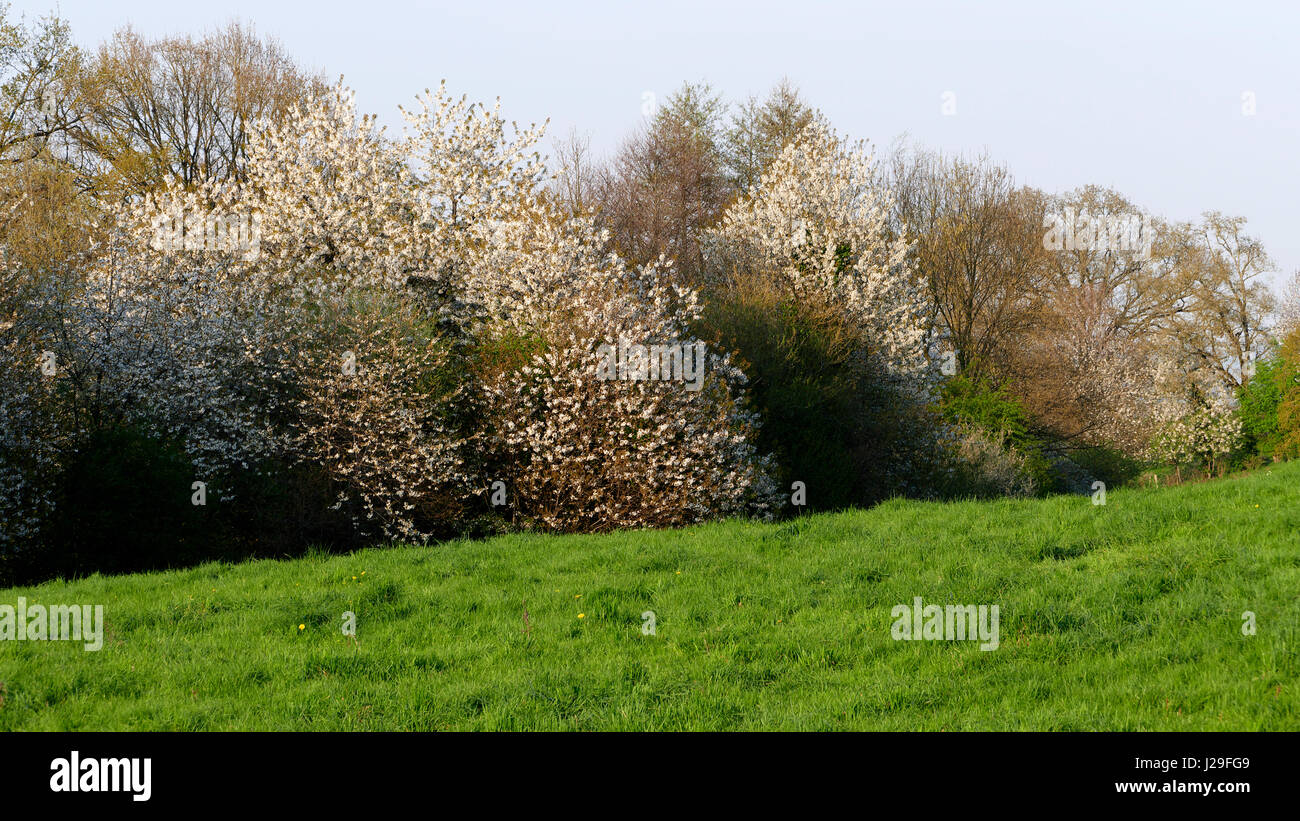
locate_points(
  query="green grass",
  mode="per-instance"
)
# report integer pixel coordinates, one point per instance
(1122, 617)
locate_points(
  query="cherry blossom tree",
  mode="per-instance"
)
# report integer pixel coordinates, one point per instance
(583, 451)
(817, 224)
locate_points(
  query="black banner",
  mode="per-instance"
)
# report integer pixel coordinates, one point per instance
(141, 772)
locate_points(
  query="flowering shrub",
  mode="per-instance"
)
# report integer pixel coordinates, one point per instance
(1203, 437)
(582, 452)
(818, 298)
(377, 391)
(816, 224)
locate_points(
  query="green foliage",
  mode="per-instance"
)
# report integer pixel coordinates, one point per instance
(824, 413)
(502, 353)
(991, 408)
(1287, 378)
(125, 504)
(1258, 401)
(1110, 465)
(978, 403)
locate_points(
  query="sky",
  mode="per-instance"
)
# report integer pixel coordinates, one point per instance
(1151, 100)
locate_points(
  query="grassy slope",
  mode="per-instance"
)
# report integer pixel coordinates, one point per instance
(1123, 617)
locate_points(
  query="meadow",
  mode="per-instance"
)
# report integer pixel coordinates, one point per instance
(1127, 616)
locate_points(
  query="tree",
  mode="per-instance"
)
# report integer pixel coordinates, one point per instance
(760, 131)
(1288, 411)
(470, 179)
(1096, 368)
(1289, 306)
(817, 226)
(1223, 328)
(978, 244)
(180, 107)
(667, 183)
(819, 300)
(39, 65)
(577, 177)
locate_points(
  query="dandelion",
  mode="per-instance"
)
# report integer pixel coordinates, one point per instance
(302, 627)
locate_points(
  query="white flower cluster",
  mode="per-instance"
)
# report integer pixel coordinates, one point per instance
(1203, 437)
(330, 348)
(170, 345)
(372, 412)
(817, 222)
(592, 454)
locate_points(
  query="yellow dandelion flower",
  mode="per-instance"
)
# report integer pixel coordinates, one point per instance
(582, 615)
(302, 627)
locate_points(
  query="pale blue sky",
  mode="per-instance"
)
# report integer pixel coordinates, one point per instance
(1146, 100)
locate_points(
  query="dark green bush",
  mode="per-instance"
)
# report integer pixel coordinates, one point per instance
(993, 409)
(1107, 464)
(828, 418)
(125, 504)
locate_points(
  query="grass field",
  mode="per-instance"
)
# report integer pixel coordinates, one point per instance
(1122, 617)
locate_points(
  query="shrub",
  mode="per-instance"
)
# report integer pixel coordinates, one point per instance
(1258, 401)
(125, 504)
(1202, 438)
(985, 466)
(380, 408)
(977, 404)
(578, 451)
(1110, 465)
(824, 414)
